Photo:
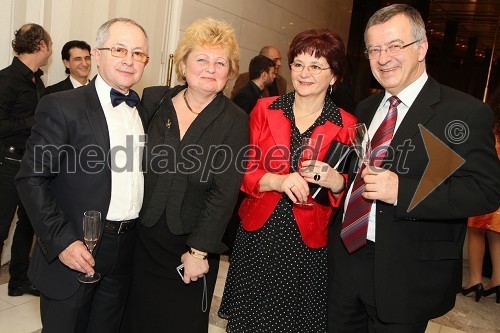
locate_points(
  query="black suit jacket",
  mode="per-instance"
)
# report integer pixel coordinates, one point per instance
(59, 86)
(247, 97)
(197, 185)
(64, 173)
(418, 257)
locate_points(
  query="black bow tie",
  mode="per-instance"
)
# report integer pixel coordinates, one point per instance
(117, 98)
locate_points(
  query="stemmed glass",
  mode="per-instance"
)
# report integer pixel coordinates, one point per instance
(308, 151)
(91, 234)
(358, 134)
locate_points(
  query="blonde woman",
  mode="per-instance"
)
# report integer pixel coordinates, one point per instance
(192, 176)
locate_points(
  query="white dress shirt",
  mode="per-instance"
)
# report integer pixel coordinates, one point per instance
(75, 82)
(407, 97)
(127, 139)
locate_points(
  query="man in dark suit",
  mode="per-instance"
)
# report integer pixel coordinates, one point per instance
(21, 87)
(277, 88)
(84, 154)
(76, 58)
(261, 73)
(394, 266)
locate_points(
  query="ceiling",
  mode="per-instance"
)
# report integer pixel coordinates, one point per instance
(478, 18)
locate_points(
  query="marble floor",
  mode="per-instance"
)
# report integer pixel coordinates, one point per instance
(21, 314)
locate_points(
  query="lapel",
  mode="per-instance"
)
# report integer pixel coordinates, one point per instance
(213, 110)
(419, 113)
(68, 84)
(96, 117)
(366, 114)
(280, 128)
(143, 115)
(325, 134)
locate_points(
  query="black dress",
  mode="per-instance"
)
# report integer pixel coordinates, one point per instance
(159, 301)
(276, 283)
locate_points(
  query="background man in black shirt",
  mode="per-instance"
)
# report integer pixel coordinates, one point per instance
(20, 90)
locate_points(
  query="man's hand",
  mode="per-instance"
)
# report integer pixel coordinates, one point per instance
(77, 257)
(380, 184)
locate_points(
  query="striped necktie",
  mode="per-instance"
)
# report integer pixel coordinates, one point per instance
(356, 217)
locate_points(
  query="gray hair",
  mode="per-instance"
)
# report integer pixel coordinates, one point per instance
(385, 14)
(103, 31)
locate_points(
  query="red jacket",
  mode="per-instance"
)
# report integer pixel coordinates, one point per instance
(270, 131)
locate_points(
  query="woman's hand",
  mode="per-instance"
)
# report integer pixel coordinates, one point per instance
(321, 173)
(194, 268)
(292, 184)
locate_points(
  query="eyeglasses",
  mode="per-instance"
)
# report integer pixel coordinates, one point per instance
(313, 69)
(392, 50)
(120, 52)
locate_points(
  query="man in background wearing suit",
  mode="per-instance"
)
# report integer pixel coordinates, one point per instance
(76, 58)
(21, 87)
(277, 88)
(261, 73)
(393, 267)
(84, 154)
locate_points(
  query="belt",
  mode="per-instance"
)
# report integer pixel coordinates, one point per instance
(119, 227)
(11, 151)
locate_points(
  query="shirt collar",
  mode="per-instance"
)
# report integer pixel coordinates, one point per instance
(408, 95)
(25, 70)
(285, 103)
(75, 82)
(256, 88)
(103, 90)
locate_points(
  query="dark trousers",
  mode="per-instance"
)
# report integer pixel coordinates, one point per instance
(351, 294)
(97, 307)
(23, 235)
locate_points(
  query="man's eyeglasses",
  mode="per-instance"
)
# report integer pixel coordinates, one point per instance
(313, 69)
(120, 52)
(374, 52)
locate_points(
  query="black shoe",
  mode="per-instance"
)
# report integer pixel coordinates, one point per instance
(491, 291)
(26, 289)
(478, 289)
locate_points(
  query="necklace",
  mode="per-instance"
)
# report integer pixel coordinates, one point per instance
(307, 115)
(187, 104)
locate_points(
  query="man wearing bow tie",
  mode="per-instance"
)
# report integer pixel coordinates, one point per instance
(84, 154)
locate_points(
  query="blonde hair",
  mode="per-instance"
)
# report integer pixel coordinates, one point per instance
(208, 32)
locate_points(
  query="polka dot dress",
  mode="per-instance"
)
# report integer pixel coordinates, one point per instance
(275, 282)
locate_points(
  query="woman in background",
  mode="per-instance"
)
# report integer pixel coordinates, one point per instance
(278, 276)
(483, 226)
(195, 144)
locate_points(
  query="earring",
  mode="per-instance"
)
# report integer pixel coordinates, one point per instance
(331, 89)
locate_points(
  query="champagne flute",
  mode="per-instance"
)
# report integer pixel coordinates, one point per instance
(308, 151)
(91, 234)
(358, 134)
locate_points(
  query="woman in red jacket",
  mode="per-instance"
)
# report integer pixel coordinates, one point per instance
(277, 277)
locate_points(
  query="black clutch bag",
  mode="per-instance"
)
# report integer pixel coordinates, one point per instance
(337, 158)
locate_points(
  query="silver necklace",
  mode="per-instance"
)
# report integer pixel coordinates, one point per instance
(307, 115)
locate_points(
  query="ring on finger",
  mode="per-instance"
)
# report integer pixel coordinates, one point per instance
(291, 186)
(317, 177)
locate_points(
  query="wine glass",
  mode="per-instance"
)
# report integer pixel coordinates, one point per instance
(308, 151)
(358, 134)
(91, 234)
